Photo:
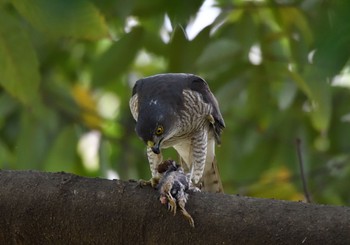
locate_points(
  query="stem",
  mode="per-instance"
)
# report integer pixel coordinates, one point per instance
(301, 165)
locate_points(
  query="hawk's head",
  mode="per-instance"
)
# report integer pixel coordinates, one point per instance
(156, 123)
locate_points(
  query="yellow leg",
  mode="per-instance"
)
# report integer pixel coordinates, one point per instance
(152, 182)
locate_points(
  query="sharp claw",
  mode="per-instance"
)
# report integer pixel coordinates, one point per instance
(194, 187)
(152, 182)
(143, 183)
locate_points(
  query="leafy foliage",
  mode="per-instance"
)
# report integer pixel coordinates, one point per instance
(280, 70)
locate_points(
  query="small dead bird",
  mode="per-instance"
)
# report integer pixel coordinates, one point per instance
(173, 187)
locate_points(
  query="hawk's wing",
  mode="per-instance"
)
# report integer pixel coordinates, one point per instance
(201, 86)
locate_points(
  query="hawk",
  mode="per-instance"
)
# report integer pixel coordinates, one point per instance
(179, 110)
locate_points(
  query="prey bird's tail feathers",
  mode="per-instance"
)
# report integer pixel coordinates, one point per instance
(211, 181)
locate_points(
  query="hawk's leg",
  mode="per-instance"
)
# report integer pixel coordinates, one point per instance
(154, 160)
(199, 153)
(152, 182)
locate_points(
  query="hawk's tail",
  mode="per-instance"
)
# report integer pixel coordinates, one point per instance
(211, 181)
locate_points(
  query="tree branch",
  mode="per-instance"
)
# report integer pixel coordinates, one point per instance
(46, 208)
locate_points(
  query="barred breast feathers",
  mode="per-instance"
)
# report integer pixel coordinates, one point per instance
(196, 110)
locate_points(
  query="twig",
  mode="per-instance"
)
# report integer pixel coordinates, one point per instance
(302, 174)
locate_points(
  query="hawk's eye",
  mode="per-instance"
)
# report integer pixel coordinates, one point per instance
(159, 130)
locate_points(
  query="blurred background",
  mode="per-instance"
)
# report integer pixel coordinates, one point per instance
(279, 68)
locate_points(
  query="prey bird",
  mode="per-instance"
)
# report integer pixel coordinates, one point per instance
(173, 187)
(179, 110)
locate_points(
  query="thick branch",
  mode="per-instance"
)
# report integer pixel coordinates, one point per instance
(47, 208)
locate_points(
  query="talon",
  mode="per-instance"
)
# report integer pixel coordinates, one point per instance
(194, 188)
(143, 183)
(152, 182)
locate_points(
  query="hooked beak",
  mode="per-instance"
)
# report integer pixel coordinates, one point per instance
(154, 147)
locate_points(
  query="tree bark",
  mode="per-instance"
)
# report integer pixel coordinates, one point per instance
(62, 208)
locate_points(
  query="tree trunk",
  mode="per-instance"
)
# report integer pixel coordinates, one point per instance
(61, 208)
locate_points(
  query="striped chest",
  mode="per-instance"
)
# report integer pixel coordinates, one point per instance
(193, 118)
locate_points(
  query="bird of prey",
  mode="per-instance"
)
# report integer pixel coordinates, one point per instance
(173, 187)
(178, 110)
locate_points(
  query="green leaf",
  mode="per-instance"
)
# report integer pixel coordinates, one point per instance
(218, 53)
(32, 143)
(63, 155)
(275, 183)
(318, 92)
(181, 11)
(321, 108)
(117, 58)
(300, 81)
(8, 105)
(284, 92)
(333, 39)
(19, 67)
(179, 44)
(293, 17)
(78, 18)
(321, 100)
(6, 156)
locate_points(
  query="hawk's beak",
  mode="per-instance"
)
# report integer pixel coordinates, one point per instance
(154, 147)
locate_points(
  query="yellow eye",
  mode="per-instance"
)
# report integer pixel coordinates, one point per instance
(159, 130)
